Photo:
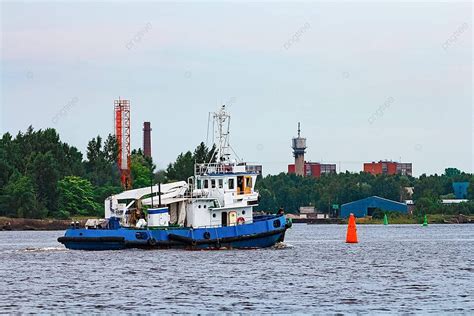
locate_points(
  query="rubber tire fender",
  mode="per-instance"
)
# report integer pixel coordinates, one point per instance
(152, 242)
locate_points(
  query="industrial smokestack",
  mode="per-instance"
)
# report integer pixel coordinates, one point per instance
(147, 139)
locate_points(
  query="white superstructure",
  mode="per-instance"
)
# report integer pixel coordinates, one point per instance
(221, 192)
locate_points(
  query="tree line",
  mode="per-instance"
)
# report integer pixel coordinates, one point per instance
(43, 177)
(289, 191)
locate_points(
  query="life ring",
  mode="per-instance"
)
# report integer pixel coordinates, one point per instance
(207, 235)
(240, 221)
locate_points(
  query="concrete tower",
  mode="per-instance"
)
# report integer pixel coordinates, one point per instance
(299, 149)
(147, 139)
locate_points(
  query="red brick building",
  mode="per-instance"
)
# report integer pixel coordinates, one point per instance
(388, 168)
(314, 169)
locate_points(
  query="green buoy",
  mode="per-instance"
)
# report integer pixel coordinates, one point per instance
(425, 222)
(385, 220)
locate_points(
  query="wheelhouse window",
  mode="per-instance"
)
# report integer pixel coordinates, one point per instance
(206, 184)
(231, 184)
(221, 183)
(249, 182)
(199, 184)
(213, 183)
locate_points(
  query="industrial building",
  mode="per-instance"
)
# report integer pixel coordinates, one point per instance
(302, 167)
(367, 206)
(388, 168)
(258, 169)
(313, 169)
(460, 190)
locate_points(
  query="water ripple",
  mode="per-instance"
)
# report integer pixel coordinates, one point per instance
(398, 269)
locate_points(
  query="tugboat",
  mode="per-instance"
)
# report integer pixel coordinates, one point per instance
(212, 210)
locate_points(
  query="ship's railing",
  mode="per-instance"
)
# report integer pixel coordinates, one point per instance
(212, 168)
(220, 226)
(223, 168)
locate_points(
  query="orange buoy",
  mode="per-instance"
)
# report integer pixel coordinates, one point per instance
(352, 231)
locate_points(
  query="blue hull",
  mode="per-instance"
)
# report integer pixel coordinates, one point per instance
(264, 232)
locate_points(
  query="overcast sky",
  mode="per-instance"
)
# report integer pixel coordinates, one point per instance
(367, 80)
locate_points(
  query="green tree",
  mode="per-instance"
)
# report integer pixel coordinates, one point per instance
(19, 199)
(101, 166)
(76, 197)
(182, 168)
(202, 154)
(142, 170)
(452, 172)
(44, 170)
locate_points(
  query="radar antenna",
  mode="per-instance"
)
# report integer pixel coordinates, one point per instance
(221, 125)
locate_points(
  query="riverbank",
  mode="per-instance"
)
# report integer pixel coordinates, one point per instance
(395, 219)
(18, 224)
(7, 223)
(432, 219)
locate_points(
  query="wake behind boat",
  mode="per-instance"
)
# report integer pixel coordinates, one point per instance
(213, 210)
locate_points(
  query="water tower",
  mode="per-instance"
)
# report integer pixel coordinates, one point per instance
(299, 149)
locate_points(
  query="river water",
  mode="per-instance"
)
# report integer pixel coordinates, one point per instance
(393, 269)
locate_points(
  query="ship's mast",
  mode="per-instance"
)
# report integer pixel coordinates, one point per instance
(222, 133)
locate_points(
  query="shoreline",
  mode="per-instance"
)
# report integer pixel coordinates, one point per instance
(28, 224)
(399, 220)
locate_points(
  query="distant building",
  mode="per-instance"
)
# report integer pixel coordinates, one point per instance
(258, 169)
(299, 149)
(147, 139)
(366, 207)
(302, 167)
(460, 190)
(450, 202)
(409, 191)
(313, 169)
(388, 168)
(307, 210)
(411, 206)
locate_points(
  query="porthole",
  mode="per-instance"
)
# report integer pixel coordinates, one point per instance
(214, 215)
(199, 206)
(205, 206)
(243, 212)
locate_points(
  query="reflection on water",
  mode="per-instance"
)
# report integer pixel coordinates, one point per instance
(395, 268)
